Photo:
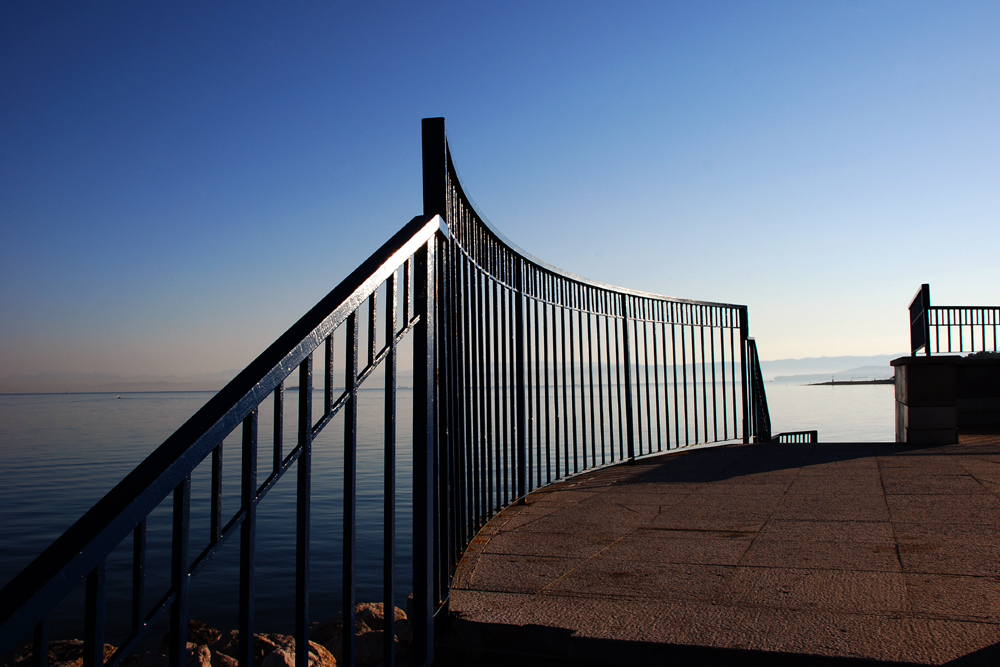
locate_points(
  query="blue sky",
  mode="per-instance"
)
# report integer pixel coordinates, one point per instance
(179, 182)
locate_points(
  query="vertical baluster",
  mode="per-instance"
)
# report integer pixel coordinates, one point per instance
(704, 375)
(610, 320)
(590, 368)
(571, 301)
(215, 501)
(93, 633)
(179, 576)
(564, 454)
(372, 327)
(248, 541)
(278, 437)
(389, 479)
(743, 371)
(510, 418)
(656, 316)
(539, 344)
(303, 490)
(732, 357)
(629, 416)
(461, 372)
(350, 482)
(619, 324)
(715, 404)
(139, 575)
(328, 381)
(472, 385)
(724, 324)
(645, 351)
(423, 457)
(694, 373)
(500, 396)
(600, 378)
(40, 643)
(522, 380)
(485, 390)
(548, 403)
(665, 312)
(583, 384)
(684, 374)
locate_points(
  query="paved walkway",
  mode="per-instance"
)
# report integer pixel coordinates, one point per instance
(754, 554)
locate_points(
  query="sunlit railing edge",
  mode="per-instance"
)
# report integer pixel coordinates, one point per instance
(26, 600)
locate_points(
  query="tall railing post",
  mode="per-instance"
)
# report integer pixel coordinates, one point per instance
(519, 383)
(424, 290)
(435, 166)
(744, 335)
(627, 358)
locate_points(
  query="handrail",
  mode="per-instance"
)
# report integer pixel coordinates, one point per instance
(949, 329)
(82, 549)
(523, 375)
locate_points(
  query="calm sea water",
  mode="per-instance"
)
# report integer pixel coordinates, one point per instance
(63, 452)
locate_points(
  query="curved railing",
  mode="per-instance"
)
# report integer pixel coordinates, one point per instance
(547, 374)
(522, 375)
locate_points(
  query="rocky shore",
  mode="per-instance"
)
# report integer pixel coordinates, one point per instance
(210, 647)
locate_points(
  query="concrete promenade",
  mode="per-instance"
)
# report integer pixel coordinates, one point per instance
(744, 554)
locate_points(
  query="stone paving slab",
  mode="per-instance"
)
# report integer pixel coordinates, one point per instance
(846, 552)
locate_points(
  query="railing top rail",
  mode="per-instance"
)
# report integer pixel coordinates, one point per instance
(543, 265)
(922, 296)
(57, 570)
(963, 307)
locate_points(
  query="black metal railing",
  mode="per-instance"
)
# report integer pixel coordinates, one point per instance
(403, 272)
(797, 437)
(523, 375)
(760, 418)
(950, 329)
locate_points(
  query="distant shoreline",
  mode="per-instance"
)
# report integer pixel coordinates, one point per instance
(841, 382)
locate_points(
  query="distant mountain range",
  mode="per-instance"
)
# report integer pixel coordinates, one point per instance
(823, 369)
(53, 382)
(801, 371)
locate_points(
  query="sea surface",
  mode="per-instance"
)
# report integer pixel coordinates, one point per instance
(62, 452)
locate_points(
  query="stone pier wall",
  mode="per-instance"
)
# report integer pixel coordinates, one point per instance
(935, 396)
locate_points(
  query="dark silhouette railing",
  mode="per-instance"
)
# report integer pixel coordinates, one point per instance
(523, 375)
(760, 418)
(797, 437)
(949, 329)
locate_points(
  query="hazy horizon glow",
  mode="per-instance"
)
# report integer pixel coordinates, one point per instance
(179, 183)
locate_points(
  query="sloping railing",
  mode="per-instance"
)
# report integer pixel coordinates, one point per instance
(523, 375)
(950, 329)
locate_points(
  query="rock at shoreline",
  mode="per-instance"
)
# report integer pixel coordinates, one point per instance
(208, 647)
(62, 653)
(369, 621)
(221, 649)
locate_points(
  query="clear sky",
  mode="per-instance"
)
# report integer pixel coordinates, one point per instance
(179, 182)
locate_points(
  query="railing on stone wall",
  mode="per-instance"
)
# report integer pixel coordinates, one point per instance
(523, 375)
(951, 329)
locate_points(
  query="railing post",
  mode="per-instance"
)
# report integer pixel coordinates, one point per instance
(424, 290)
(303, 513)
(925, 296)
(744, 334)
(519, 383)
(626, 349)
(435, 167)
